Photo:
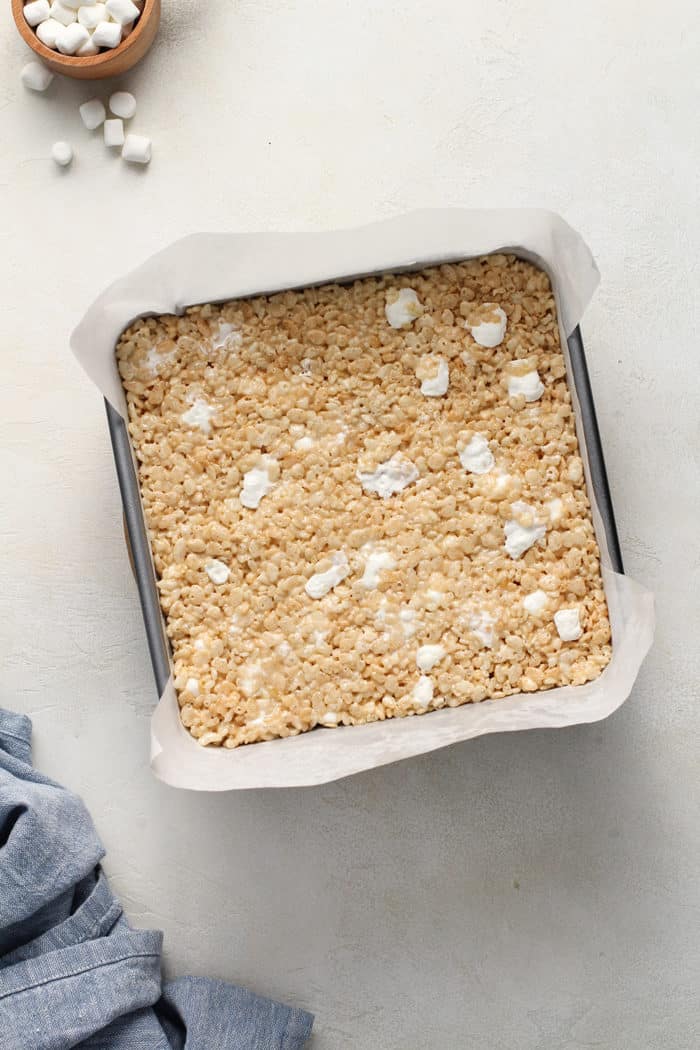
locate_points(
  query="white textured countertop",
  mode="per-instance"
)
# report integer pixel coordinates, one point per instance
(536, 891)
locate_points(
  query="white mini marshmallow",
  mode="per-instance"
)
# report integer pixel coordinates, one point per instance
(535, 602)
(490, 333)
(217, 572)
(71, 38)
(404, 310)
(91, 16)
(476, 457)
(36, 12)
(75, 4)
(123, 104)
(137, 149)
(568, 624)
(423, 691)
(107, 34)
(93, 113)
(48, 31)
(434, 374)
(114, 132)
(62, 153)
(522, 532)
(61, 13)
(318, 585)
(529, 385)
(429, 655)
(36, 77)
(88, 49)
(122, 11)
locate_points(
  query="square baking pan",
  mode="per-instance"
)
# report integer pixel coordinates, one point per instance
(139, 544)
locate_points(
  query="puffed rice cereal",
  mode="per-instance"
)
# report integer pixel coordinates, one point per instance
(333, 546)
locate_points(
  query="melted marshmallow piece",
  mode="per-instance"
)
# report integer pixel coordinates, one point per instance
(199, 415)
(390, 477)
(535, 602)
(256, 485)
(476, 457)
(434, 374)
(556, 509)
(217, 572)
(520, 537)
(423, 691)
(374, 563)
(529, 385)
(304, 443)
(35, 76)
(192, 686)
(322, 582)
(225, 335)
(568, 624)
(404, 310)
(489, 333)
(407, 616)
(481, 624)
(429, 655)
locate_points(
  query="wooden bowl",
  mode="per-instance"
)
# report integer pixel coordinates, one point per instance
(94, 67)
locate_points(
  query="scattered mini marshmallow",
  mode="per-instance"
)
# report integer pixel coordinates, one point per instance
(423, 691)
(404, 309)
(137, 149)
(476, 457)
(434, 374)
(429, 655)
(535, 602)
(48, 31)
(256, 485)
(91, 15)
(107, 34)
(114, 132)
(199, 415)
(321, 583)
(529, 385)
(93, 113)
(122, 11)
(36, 77)
(217, 572)
(390, 477)
(375, 562)
(36, 12)
(568, 624)
(71, 38)
(192, 686)
(522, 531)
(123, 104)
(62, 153)
(489, 333)
(61, 13)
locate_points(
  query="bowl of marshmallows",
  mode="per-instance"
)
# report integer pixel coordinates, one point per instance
(88, 39)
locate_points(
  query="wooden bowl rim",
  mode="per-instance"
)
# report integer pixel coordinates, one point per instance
(76, 61)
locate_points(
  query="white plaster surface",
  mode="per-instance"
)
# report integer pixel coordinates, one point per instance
(535, 891)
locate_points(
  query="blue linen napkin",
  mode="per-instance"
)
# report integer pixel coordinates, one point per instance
(73, 973)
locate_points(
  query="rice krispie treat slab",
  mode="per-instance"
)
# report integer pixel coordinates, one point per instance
(365, 500)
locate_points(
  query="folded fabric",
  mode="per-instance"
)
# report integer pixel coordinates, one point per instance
(73, 973)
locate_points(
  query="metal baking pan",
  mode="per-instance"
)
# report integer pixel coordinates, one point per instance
(140, 549)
